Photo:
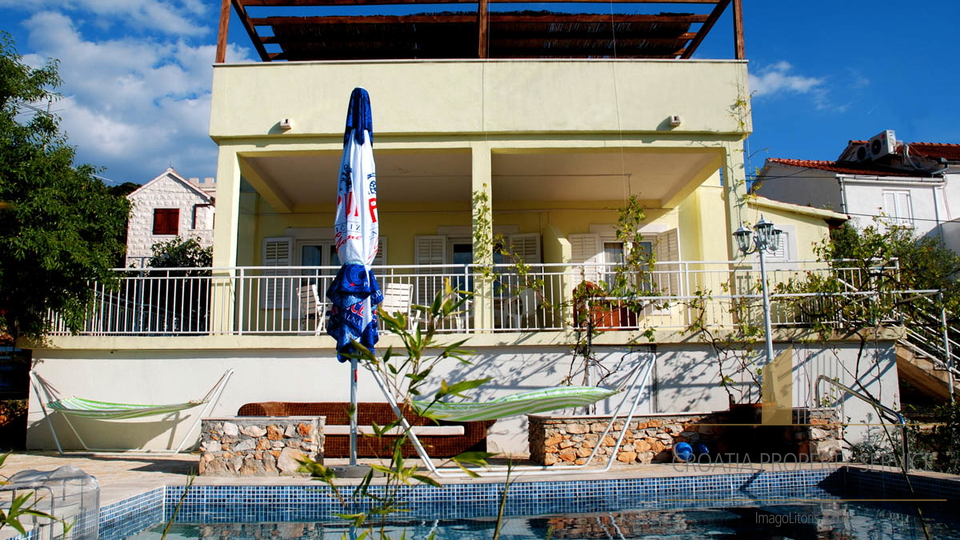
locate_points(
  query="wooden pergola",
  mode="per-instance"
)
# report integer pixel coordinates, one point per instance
(475, 33)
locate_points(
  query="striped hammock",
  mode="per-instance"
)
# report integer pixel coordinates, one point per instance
(536, 401)
(105, 410)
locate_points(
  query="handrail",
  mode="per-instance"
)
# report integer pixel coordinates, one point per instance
(876, 405)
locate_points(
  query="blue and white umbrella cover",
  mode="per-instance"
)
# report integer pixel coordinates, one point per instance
(354, 293)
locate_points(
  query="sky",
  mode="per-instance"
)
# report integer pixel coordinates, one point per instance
(137, 75)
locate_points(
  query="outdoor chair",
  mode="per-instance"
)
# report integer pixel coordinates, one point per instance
(398, 298)
(312, 307)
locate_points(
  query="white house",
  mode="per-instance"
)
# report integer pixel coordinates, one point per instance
(914, 185)
(166, 207)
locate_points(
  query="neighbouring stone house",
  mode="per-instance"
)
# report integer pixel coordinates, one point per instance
(166, 207)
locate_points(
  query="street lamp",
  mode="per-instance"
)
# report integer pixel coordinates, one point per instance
(763, 238)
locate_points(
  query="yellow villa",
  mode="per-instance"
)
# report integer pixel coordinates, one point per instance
(494, 127)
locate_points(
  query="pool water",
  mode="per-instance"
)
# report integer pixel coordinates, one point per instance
(821, 520)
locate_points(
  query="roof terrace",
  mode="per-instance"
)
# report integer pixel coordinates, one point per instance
(311, 30)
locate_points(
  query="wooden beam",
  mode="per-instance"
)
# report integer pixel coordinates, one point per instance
(587, 34)
(738, 45)
(303, 3)
(354, 19)
(707, 26)
(559, 43)
(495, 18)
(238, 5)
(483, 29)
(222, 32)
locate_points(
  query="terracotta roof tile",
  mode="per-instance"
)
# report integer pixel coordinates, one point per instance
(948, 151)
(835, 167)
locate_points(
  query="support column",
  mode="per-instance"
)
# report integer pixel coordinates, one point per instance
(225, 285)
(735, 191)
(482, 212)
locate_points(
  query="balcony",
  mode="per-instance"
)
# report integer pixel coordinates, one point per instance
(278, 301)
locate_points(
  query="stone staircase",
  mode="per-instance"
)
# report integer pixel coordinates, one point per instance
(923, 374)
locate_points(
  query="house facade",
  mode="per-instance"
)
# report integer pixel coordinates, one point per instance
(915, 185)
(167, 207)
(532, 151)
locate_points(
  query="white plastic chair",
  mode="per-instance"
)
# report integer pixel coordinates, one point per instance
(312, 307)
(398, 298)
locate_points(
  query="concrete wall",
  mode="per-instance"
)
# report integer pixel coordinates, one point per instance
(807, 187)
(686, 378)
(864, 198)
(462, 96)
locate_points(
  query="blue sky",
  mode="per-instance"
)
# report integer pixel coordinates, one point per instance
(137, 75)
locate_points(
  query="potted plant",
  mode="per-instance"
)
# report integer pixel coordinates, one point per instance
(592, 307)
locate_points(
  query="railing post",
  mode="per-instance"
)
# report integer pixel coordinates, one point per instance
(240, 303)
(948, 356)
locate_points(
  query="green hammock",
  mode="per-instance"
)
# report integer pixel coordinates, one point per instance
(74, 407)
(105, 410)
(548, 399)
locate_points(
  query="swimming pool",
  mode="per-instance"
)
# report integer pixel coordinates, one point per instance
(751, 504)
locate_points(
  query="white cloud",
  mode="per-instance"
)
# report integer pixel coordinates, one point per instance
(177, 17)
(133, 104)
(777, 78)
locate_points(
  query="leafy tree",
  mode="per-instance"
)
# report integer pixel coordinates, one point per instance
(925, 263)
(59, 225)
(180, 253)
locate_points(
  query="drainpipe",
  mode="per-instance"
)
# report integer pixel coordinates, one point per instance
(936, 215)
(843, 197)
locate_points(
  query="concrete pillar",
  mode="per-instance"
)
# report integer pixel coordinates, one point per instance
(225, 286)
(735, 190)
(482, 206)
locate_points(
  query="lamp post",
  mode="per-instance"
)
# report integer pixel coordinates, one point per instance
(763, 238)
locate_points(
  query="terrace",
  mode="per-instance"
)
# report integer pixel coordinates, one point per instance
(264, 301)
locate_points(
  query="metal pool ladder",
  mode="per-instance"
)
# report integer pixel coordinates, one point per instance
(881, 408)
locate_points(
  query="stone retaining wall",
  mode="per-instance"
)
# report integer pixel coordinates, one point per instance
(259, 446)
(569, 440)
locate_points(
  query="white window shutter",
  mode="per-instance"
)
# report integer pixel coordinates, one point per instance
(890, 205)
(381, 257)
(904, 209)
(585, 248)
(667, 251)
(276, 291)
(526, 247)
(429, 250)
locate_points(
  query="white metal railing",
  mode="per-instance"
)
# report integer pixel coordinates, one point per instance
(266, 300)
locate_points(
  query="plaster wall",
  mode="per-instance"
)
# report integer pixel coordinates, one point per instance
(864, 199)
(686, 379)
(464, 96)
(806, 187)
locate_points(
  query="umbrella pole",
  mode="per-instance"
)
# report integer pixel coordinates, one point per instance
(353, 412)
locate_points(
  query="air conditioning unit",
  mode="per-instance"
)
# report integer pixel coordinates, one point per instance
(862, 153)
(881, 145)
(855, 152)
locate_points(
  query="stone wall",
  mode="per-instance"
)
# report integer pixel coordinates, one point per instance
(249, 446)
(569, 440)
(165, 191)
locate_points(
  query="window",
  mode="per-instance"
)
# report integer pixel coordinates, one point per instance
(897, 208)
(279, 286)
(600, 253)
(166, 221)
